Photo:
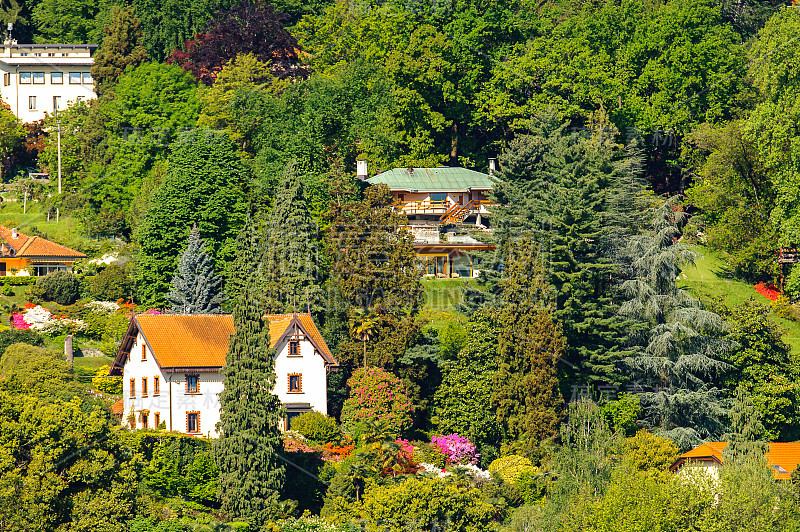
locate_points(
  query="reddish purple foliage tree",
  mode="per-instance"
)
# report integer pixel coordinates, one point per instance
(245, 28)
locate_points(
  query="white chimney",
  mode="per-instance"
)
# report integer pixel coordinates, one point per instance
(361, 170)
(492, 166)
(14, 233)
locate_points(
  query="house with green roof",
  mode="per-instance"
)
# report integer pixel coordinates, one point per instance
(438, 199)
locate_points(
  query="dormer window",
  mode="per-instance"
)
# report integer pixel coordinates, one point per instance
(294, 348)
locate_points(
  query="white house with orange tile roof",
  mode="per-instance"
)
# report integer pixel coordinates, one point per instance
(781, 457)
(170, 364)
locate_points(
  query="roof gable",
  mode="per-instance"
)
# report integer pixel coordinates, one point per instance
(445, 179)
(202, 341)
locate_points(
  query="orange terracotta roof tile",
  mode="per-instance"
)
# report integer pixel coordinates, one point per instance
(201, 341)
(36, 246)
(783, 458)
(118, 407)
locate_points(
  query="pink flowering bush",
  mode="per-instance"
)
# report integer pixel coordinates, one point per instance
(408, 448)
(456, 449)
(18, 322)
(377, 396)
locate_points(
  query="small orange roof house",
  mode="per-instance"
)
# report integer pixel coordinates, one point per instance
(782, 458)
(21, 254)
(170, 364)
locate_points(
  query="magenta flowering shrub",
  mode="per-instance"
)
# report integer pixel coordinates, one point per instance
(18, 321)
(407, 448)
(377, 396)
(456, 449)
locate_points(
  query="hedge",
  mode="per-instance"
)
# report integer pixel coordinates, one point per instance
(13, 280)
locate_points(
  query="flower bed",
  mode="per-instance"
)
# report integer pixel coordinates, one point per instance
(40, 319)
(770, 292)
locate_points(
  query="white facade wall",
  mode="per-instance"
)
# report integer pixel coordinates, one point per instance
(311, 367)
(28, 71)
(173, 402)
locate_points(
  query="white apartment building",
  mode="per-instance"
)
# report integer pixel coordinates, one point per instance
(40, 79)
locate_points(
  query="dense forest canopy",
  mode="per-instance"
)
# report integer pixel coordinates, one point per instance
(634, 138)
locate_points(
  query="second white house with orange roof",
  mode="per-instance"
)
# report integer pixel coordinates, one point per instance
(170, 364)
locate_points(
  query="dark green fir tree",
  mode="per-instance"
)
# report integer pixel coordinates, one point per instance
(291, 281)
(121, 48)
(250, 474)
(557, 188)
(196, 288)
(249, 252)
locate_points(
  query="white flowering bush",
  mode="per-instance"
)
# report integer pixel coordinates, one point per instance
(102, 307)
(431, 470)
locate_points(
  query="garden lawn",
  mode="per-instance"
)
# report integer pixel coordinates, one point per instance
(442, 297)
(709, 279)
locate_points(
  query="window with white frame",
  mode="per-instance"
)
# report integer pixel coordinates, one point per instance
(38, 78)
(24, 78)
(74, 78)
(87, 78)
(56, 78)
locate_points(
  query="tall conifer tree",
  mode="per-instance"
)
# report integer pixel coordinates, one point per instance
(250, 475)
(196, 288)
(525, 395)
(557, 188)
(680, 348)
(248, 252)
(121, 48)
(291, 251)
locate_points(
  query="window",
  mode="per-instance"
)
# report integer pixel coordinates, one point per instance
(144, 386)
(32, 103)
(51, 55)
(144, 352)
(38, 78)
(24, 78)
(74, 78)
(295, 383)
(145, 421)
(41, 270)
(7, 79)
(23, 54)
(192, 422)
(56, 103)
(56, 78)
(192, 383)
(294, 348)
(156, 420)
(37, 54)
(133, 388)
(87, 78)
(438, 196)
(156, 386)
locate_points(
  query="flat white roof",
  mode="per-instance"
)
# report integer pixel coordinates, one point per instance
(48, 61)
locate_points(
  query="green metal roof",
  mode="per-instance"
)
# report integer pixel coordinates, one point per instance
(445, 179)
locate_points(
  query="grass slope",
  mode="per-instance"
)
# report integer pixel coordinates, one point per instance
(708, 279)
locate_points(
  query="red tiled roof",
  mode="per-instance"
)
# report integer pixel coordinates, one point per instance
(783, 458)
(36, 246)
(202, 341)
(118, 407)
